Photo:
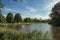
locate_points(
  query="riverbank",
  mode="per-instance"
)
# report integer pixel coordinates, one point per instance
(12, 24)
(11, 34)
(17, 23)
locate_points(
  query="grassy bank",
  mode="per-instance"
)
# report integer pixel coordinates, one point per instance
(18, 23)
(12, 24)
(11, 34)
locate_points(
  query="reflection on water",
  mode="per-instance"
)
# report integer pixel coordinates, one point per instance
(31, 27)
(17, 27)
(26, 27)
(56, 33)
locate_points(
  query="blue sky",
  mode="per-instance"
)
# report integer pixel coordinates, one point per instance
(30, 8)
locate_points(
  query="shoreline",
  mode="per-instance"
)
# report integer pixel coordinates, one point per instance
(17, 23)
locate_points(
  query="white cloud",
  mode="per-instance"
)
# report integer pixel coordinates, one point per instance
(31, 9)
(10, 10)
(39, 16)
(50, 5)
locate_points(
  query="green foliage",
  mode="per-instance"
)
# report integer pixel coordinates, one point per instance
(18, 18)
(1, 4)
(9, 18)
(27, 19)
(11, 34)
(36, 20)
(55, 15)
(2, 18)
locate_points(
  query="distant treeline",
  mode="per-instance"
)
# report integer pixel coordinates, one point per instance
(17, 18)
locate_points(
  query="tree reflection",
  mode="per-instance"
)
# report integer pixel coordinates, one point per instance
(27, 27)
(56, 33)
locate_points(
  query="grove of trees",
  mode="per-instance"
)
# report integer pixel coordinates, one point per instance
(17, 18)
(55, 15)
(2, 18)
(10, 18)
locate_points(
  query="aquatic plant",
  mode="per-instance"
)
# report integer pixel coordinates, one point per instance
(11, 34)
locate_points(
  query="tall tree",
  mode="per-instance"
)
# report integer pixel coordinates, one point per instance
(27, 19)
(18, 18)
(35, 20)
(55, 15)
(2, 18)
(9, 18)
(1, 5)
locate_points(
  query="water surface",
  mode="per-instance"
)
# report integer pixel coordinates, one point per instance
(41, 27)
(55, 31)
(44, 27)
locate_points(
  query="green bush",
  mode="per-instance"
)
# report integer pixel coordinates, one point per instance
(11, 34)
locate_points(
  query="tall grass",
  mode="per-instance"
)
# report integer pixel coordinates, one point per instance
(11, 34)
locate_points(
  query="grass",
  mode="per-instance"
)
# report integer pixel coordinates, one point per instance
(11, 34)
(5, 24)
(13, 25)
(6, 33)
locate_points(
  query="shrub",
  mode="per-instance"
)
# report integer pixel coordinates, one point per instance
(11, 34)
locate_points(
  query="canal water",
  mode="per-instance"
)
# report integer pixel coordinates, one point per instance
(44, 27)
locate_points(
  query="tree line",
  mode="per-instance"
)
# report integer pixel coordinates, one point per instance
(17, 18)
(55, 15)
(10, 18)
